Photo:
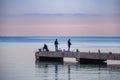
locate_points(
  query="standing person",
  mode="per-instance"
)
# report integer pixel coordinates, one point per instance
(69, 44)
(56, 45)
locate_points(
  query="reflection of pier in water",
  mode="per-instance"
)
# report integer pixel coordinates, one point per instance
(67, 69)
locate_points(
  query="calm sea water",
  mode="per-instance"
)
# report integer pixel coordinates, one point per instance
(105, 44)
(17, 61)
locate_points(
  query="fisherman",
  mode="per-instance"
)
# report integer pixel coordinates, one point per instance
(69, 45)
(56, 45)
(99, 51)
(45, 48)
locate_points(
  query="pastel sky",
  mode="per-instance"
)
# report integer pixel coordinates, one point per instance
(59, 17)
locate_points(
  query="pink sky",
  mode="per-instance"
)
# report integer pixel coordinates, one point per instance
(60, 26)
(43, 18)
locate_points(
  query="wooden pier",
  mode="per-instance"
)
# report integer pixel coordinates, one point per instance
(80, 56)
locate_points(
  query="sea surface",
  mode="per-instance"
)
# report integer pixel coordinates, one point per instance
(17, 60)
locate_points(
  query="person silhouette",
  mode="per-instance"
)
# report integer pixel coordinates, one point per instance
(69, 45)
(45, 48)
(56, 45)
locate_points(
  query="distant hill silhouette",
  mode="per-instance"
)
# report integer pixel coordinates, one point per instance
(59, 14)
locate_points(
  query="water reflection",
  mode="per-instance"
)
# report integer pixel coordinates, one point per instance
(116, 66)
(75, 71)
(56, 72)
(68, 72)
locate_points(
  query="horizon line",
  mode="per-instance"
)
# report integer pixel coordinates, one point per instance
(61, 36)
(59, 14)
